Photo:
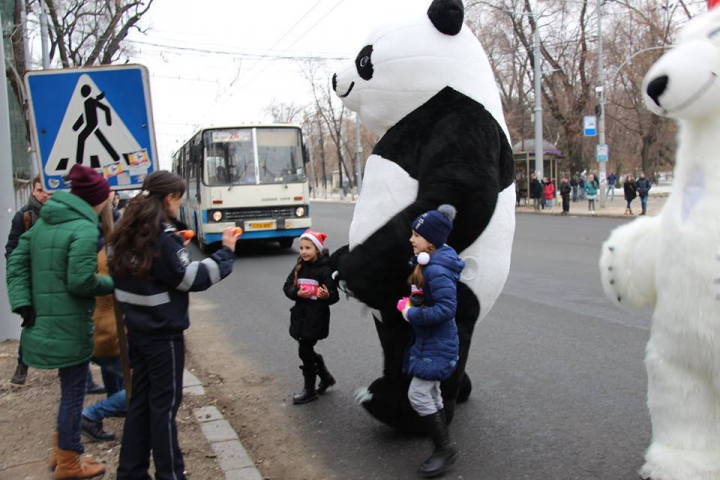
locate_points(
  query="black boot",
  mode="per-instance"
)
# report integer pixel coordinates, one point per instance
(308, 394)
(326, 379)
(21, 375)
(444, 454)
(94, 430)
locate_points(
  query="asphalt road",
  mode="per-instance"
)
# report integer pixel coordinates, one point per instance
(559, 381)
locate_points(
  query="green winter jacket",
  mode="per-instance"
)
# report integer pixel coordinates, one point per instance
(53, 269)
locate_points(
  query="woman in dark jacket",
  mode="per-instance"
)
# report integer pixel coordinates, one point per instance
(537, 192)
(630, 193)
(153, 276)
(311, 286)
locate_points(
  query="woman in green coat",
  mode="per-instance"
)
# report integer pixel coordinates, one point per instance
(52, 282)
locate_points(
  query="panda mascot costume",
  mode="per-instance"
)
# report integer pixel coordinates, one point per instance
(671, 264)
(425, 87)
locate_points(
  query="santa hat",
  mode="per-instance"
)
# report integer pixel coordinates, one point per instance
(712, 3)
(318, 238)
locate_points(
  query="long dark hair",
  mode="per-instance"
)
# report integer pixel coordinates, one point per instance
(133, 241)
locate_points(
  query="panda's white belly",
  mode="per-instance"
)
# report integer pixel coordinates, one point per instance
(387, 190)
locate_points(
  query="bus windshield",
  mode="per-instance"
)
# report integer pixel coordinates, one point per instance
(230, 156)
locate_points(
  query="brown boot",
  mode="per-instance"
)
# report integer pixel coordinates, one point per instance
(71, 466)
(627, 211)
(52, 461)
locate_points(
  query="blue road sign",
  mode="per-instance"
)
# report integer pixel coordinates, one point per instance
(590, 125)
(100, 117)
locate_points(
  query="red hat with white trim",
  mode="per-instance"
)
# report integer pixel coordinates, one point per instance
(713, 3)
(318, 238)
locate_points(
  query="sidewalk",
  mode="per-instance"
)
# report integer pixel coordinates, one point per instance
(613, 208)
(27, 417)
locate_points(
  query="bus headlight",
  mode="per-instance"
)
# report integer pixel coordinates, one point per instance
(217, 216)
(300, 212)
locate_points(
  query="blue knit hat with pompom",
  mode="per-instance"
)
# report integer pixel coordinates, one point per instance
(435, 225)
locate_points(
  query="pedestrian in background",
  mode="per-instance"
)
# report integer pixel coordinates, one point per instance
(581, 186)
(643, 189)
(591, 192)
(611, 179)
(537, 191)
(311, 287)
(433, 353)
(23, 221)
(106, 352)
(565, 190)
(574, 185)
(630, 192)
(57, 315)
(153, 274)
(549, 192)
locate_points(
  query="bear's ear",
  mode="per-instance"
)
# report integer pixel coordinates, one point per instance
(447, 15)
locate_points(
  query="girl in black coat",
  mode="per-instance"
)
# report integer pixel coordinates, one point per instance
(630, 193)
(311, 286)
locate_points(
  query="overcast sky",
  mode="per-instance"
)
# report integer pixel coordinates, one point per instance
(216, 62)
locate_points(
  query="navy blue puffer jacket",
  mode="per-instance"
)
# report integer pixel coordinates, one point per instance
(434, 353)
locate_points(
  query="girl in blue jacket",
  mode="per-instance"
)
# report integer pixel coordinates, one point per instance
(430, 310)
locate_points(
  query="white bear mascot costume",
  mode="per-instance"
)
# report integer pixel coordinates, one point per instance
(670, 263)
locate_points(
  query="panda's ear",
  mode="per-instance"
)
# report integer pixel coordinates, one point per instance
(447, 15)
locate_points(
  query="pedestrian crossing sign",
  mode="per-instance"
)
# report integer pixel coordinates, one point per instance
(100, 117)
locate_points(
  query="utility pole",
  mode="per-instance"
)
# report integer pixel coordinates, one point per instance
(9, 327)
(538, 101)
(358, 153)
(313, 178)
(601, 100)
(44, 37)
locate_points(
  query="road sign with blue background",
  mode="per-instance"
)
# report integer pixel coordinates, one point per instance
(100, 117)
(590, 125)
(602, 153)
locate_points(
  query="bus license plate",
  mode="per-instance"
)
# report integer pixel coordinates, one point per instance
(267, 225)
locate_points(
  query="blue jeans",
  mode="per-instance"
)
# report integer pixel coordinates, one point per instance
(574, 193)
(111, 406)
(112, 374)
(610, 191)
(643, 203)
(72, 396)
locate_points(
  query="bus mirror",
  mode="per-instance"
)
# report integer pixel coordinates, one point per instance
(306, 155)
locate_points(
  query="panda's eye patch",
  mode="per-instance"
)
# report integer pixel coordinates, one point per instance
(363, 63)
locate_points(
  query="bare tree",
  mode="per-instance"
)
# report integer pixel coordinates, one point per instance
(285, 112)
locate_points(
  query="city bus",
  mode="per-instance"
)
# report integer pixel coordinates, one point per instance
(248, 176)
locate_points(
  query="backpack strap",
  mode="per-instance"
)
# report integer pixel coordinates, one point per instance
(27, 221)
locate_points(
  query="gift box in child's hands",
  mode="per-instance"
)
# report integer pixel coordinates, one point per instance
(313, 289)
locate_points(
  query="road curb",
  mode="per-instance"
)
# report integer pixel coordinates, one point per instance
(234, 460)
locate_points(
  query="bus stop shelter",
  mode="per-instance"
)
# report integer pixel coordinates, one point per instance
(524, 157)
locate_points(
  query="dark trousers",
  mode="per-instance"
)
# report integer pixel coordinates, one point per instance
(157, 362)
(566, 203)
(72, 397)
(307, 354)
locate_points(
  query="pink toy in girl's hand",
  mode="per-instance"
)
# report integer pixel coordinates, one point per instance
(312, 289)
(402, 303)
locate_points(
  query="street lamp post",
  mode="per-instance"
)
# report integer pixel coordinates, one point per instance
(601, 100)
(538, 102)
